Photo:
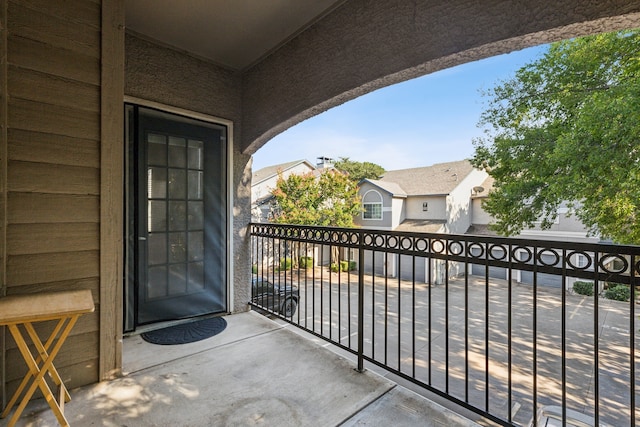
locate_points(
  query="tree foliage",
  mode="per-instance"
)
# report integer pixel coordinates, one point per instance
(328, 200)
(566, 128)
(358, 171)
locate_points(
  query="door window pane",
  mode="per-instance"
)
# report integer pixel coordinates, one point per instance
(157, 149)
(177, 216)
(177, 152)
(196, 216)
(196, 246)
(157, 248)
(195, 154)
(157, 183)
(177, 247)
(177, 184)
(157, 216)
(195, 185)
(177, 279)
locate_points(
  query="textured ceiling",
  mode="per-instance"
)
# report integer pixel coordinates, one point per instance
(232, 33)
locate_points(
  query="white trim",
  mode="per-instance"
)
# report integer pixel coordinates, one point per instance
(375, 227)
(230, 200)
(548, 233)
(180, 111)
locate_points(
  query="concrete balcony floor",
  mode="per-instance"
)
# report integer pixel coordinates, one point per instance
(255, 373)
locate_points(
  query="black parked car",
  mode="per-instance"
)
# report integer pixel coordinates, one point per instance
(272, 296)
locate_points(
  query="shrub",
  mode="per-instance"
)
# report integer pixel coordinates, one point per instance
(305, 262)
(349, 265)
(254, 268)
(583, 288)
(618, 292)
(285, 263)
(343, 266)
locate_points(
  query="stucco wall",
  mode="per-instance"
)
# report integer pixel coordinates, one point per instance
(436, 209)
(166, 76)
(459, 202)
(398, 211)
(372, 193)
(368, 44)
(478, 215)
(567, 226)
(157, 73)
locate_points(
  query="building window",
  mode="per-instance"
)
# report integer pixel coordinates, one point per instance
(582, 261)
(372, 205)
(372, 211)
(425, 206)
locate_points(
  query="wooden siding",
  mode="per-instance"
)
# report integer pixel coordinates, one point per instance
(3, 180)
(111, 189)
(25, 239)
(53, 78)
(56, 149)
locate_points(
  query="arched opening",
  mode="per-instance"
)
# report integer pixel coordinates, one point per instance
(529, 279)
(387, 51)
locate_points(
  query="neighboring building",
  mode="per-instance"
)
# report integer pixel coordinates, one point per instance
(265, 180)
(432, 199)
(263, 203)
(447, 198)
(567, 227)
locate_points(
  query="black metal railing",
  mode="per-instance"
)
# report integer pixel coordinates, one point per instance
(491, 324)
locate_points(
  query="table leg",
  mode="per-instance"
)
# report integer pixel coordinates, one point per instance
(28, 376)
(39, 372)
(42, 350)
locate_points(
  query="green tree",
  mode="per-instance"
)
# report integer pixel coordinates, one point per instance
(328, 200)
(359, 170)
(566, 128)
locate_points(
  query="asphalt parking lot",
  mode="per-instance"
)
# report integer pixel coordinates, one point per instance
(472, 346)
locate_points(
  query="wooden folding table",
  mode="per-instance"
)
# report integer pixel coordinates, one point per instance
(20, 312)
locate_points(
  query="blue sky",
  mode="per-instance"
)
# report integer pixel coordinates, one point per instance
(431, 119)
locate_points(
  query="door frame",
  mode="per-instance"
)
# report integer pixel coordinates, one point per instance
(229, 190)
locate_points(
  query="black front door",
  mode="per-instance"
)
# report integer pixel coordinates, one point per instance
(180, 221)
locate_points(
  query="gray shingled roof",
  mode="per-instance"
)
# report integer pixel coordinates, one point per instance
(437, 179)
(480, 230)
(269, 171)
(421, 226)
(390, 187)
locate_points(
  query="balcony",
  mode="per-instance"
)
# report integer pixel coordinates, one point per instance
(256, 372)
(484, 327)
(488, 324)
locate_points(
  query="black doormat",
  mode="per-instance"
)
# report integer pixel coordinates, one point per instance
(186, 332)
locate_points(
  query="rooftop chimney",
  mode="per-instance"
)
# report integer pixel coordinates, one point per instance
(324, 162)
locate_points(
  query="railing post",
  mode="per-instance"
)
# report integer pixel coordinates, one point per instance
(360, 303)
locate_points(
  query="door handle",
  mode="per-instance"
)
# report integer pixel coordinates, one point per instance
(142, 238)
